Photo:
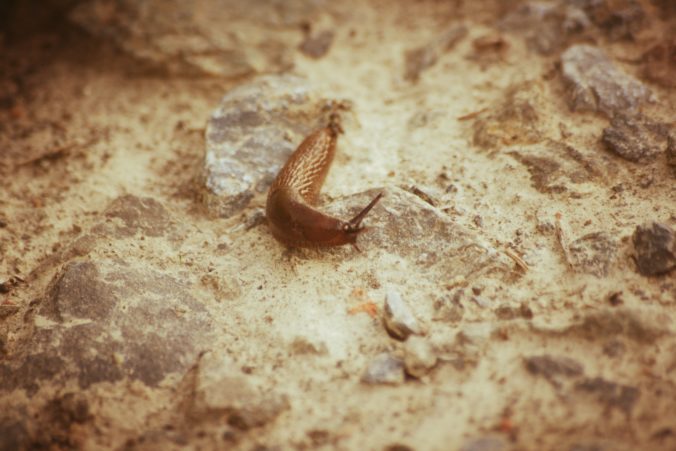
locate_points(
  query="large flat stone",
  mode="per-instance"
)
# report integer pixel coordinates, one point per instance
(250, 136)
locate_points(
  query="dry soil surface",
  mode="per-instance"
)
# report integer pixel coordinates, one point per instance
(530, 311)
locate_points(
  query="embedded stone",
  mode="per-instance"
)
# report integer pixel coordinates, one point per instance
(403, 224)
(655, 247)
(89, 308)
(384, 369)
(635, 138)
(250, 136)
(553, 367)
(398, 318)
(547, 27)
(593, 253)
(596, 84)
(612, 395)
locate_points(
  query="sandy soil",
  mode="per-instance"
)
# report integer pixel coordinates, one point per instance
(85, 123)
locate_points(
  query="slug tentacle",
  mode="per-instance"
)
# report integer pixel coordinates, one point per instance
(293, 221)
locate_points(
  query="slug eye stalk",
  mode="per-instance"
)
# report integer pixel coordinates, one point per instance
(355, 223)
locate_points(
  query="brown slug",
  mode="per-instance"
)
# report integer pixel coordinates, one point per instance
(293, 220)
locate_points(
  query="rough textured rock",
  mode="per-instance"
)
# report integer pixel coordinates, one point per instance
(515, 120)
(191, 38)
(251, 135)
(548, 27)
(553, 367)
(384, 369)
(618, 19)
(593, 253)
(419, 357)
(554, 166)
(407, 226)
(596, 84)
(398, 318)
(419, 59)
(89, 308)
(221, 388)
(610, 394)
(655, 248)
(636, 138)
(138, 214)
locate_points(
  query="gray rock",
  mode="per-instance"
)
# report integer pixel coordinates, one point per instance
(398, 318)
(593, 253)
(555, 166)
(135, 214)
(251, 135)
(89, 307)
(610, 394)
(222, 389)
(405, 225)
(553, 367)
(655, 247)
(636, 138)
(191, 38)
(596, 84)
(547, 27)
(419, 59)
(419, 357)
(384, 369)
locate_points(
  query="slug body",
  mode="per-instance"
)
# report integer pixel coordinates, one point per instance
(290, 208)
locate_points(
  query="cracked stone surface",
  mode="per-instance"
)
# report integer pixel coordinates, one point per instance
(251, 135)
(595, 83)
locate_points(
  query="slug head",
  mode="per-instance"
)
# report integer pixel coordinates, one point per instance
(353, 228)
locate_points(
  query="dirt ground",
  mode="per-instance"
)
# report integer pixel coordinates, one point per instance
(134, 316)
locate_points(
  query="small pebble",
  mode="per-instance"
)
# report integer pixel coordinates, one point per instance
(655, 247)
(384, 369)
(397, 317)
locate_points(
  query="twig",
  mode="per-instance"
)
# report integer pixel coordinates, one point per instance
(517, 259)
